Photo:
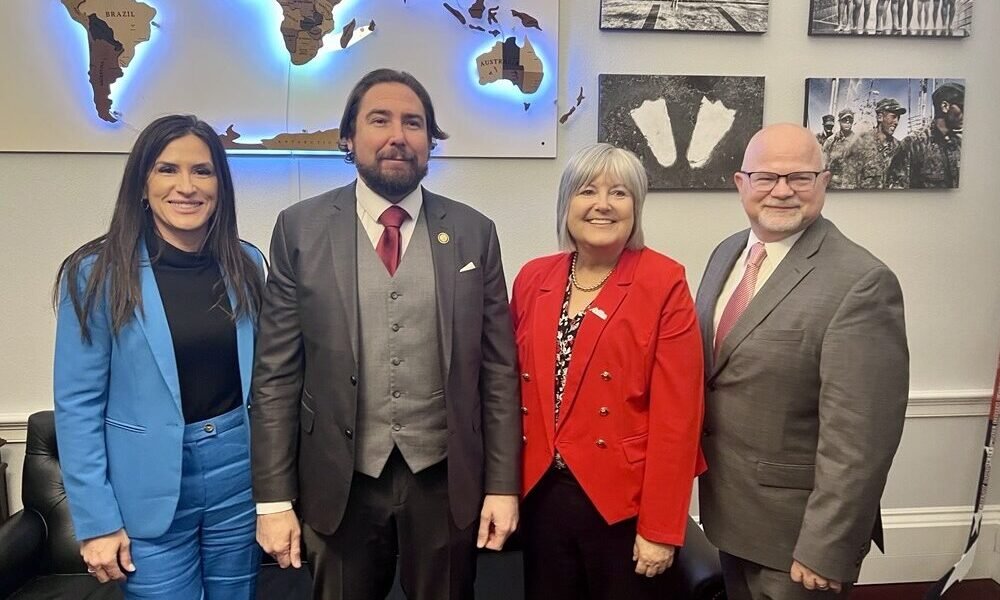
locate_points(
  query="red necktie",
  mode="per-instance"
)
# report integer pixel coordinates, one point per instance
(390, 245)
(740, 299)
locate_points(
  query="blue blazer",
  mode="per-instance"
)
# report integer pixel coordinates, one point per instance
(118, 411)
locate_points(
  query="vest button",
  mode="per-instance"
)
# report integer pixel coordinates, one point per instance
(396, 394)
(395, 327)
(604, 411)
(601, 443)
(526, 376)
(394, 295)
(354, 380)
(396, 426)
(524, 410)
(395, 362)
(349, 433)
(606, 376)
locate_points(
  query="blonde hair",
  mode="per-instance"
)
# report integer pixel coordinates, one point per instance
(588, 164)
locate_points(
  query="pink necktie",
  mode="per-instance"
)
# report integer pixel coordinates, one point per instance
(390, 245)
(740, 299)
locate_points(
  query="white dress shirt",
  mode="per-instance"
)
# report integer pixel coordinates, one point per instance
(776, 252)
(370, 206)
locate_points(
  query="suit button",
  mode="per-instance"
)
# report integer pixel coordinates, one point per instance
(606, 376)
(604, 411)
(395, 327)
(524, 410)
(394, 295)
(209, 428)
(526, 376)
(396, 394)
(396, 426)
(349, 433)
(354, 380)
(524, 439)
(601, 443)
(395, 362)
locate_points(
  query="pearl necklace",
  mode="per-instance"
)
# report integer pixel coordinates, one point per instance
(572, 277)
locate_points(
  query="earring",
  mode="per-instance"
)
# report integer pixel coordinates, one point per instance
(145, 203)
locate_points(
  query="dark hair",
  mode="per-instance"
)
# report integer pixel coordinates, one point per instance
(372, 79)
(952, 93)
(115, 269)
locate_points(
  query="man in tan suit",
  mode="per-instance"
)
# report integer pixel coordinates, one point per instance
(807, 375)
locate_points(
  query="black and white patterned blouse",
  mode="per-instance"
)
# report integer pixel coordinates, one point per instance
(565, 336)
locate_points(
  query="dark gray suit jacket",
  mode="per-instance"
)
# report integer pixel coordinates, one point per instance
(305, 384)
(804, 405)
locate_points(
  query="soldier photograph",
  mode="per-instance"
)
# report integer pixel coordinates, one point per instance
(891, 133)
(835, 148)
(930, 157)
(827, 133)
(867, 159)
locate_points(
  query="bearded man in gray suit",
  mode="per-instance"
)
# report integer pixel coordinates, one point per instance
(807, 382)
(385, 393)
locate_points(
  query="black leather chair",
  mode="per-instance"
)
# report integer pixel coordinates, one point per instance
(40, 559)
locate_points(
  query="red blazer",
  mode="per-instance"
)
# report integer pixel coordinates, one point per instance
(632, 408)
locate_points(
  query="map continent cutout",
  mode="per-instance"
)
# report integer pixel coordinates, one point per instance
(518, 64)
(114, 29)
(304, 25)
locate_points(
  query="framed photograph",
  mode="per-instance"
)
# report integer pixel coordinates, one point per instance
(926, 18)
(735, 16)
(689, 131)
(888, 133)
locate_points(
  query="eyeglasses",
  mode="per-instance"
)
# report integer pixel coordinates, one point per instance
(800, 181)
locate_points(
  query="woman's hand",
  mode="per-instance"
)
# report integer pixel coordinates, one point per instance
(651, 558)
(107, 556)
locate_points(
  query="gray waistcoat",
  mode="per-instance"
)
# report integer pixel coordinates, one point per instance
(401, 395)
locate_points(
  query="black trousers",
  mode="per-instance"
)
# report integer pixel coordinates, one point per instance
(570, 551)
(399, 513)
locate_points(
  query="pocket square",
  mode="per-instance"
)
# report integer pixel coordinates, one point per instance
(468, 267)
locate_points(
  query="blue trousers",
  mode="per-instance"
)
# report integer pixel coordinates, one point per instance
(210, 550)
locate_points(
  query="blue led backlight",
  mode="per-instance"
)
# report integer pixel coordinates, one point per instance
(503, 88)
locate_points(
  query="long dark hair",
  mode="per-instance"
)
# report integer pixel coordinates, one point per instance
(373, 78)
(115, 268)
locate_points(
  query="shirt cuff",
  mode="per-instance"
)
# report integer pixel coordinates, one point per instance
(270, 508)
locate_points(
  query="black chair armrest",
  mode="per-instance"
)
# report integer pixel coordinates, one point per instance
(696, 572)
(21, 540)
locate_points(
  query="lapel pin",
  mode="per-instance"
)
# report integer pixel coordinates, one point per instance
(600, 313)
(443, 238)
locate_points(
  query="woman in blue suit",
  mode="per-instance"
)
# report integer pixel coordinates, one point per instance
(154, 347)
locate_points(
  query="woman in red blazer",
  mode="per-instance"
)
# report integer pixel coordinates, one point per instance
(612, 393)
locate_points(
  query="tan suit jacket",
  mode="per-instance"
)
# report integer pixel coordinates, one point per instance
(805, 404)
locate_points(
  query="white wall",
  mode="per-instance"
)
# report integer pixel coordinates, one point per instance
(941, 245)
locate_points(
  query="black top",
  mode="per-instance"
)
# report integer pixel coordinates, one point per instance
(565, 336)
(204, 335)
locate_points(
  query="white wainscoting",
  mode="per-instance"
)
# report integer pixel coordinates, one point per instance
(922, 542)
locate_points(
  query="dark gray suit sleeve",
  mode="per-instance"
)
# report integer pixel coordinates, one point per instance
(277, 380)
(864, 369)
(498, 383)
